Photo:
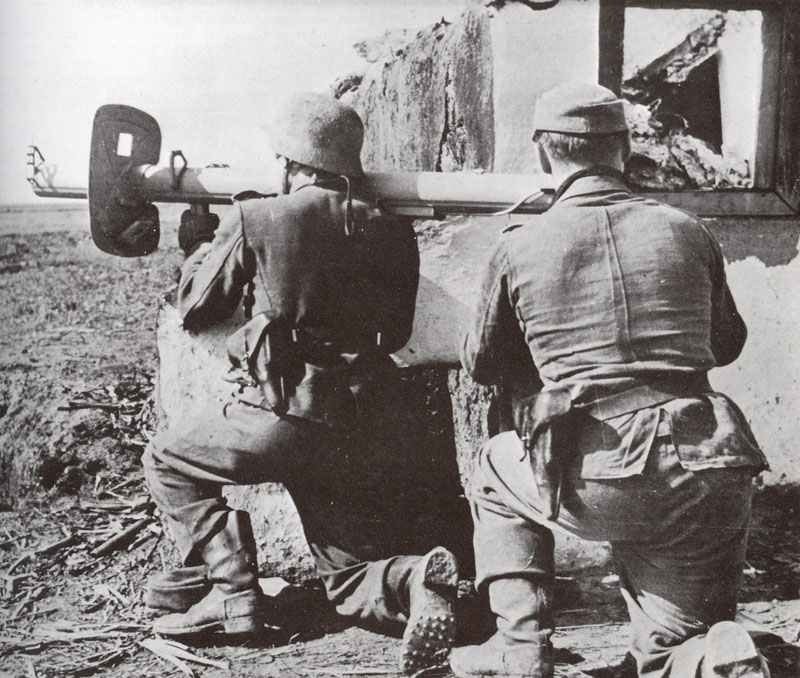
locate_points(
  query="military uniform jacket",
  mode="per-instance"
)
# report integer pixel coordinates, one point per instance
(611, 295)
(337, 302)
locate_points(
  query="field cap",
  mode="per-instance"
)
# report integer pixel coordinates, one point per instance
(579, 108)
(319, 131)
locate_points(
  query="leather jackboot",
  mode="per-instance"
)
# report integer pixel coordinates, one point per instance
(521, 646)
(514, 559)
(431, 628)
(234, 603)
(731, 653)
(177, 590)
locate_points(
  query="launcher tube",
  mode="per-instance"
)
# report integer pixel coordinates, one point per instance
(436, 192)
(412, 193)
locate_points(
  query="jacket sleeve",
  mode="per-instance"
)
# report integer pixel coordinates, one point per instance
(494, 345)
(728, 329)
(214, 275)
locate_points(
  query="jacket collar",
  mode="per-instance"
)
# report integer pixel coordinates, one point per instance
(598, 179)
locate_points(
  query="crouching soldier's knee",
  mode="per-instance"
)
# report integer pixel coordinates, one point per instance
(500, 457)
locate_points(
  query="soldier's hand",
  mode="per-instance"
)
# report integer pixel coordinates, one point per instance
(196, 229)
(136, 231)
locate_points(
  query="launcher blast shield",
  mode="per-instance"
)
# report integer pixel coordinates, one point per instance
(125, 180)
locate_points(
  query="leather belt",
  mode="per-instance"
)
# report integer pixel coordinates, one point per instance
(646, 395)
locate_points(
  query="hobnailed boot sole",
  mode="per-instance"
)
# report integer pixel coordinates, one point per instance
(234, 614)
(731, 653)
(431, 628)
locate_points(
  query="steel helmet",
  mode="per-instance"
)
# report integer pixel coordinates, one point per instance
(579, 108)
(319, 131)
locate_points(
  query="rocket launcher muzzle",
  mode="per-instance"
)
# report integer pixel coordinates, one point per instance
(123, 220)
(125, 180)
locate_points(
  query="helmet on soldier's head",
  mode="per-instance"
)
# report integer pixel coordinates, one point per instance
(319, 131)
(579, 108)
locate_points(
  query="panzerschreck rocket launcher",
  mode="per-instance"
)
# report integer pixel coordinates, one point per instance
(125, 180)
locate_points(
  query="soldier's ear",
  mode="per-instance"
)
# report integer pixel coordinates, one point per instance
(286, 184)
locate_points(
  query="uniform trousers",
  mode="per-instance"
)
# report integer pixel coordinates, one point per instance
(343, 484)
(678, 538)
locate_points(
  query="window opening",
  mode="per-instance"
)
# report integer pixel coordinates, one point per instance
(693, 80)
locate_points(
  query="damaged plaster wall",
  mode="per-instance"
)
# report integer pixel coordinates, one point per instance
(429, 107)
(763, 270)
(421, 113)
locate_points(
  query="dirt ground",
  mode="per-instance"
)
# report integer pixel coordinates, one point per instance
(78, 356)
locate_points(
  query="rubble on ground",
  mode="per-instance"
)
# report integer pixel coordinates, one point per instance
(661, 76)
(105, 427)
(666, 155)
(667, 159)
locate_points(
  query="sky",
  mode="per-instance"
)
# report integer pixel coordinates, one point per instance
(208, 71)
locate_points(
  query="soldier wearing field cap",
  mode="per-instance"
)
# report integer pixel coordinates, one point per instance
(620, 307)
(338, 281)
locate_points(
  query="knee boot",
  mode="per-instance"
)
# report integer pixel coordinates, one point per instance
(234, 602)
(177, 590)
(429, 589)
(521, 646)
(514, 559)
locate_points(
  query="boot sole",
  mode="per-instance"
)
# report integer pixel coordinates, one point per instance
(237, 626)
(239, 614)
(431, 630)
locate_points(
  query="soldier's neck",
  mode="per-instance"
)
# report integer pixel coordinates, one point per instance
(301, 179)
(562, 171)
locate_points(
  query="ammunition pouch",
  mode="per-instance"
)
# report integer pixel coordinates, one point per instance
(544, 423)
(549, 423)
(298, 374)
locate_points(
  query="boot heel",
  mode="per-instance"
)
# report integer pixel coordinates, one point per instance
(431, 628)
(441, 570)
(241, 625)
